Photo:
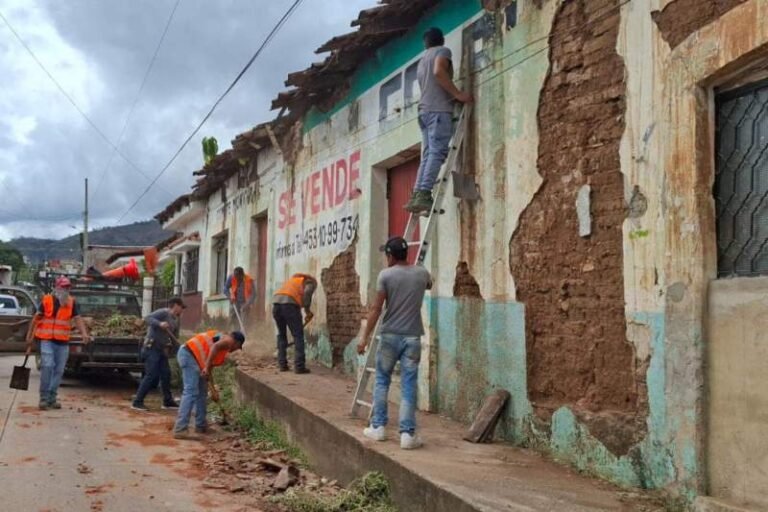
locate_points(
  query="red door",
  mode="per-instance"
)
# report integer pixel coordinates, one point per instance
(400, 181)
(261, 267)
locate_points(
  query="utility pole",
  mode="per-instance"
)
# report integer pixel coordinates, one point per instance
(85, 229)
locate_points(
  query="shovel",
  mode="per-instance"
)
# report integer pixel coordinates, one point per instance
(239, 319)
(215, 397)
(20, 376)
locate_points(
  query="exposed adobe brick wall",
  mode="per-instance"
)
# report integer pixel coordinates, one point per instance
(573, 287)
(465, 285)
(682, 18)
(344, 310)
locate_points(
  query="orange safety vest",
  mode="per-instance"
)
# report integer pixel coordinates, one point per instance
(55, 328)
(201, 345)
(248, 288)
(294, 288)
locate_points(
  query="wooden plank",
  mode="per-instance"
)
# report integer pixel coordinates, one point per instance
(485, 422)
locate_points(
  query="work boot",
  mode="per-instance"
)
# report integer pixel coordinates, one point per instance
(422, 202)
(407, 206)
(170, 405)
(55, 404)
(302, 371)
(139, 407)
(184, 435)
(44, 405)
(285, 368)
(201, 430)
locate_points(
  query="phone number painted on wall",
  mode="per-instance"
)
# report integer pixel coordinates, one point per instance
(334, 234)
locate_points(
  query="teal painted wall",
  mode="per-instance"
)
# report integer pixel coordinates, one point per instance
(481, 347)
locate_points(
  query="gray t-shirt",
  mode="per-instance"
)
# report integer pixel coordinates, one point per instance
(433, 97)
(404, 286)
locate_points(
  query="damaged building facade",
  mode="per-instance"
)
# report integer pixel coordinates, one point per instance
(609, 275)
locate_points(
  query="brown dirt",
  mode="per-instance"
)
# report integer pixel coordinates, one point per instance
(682, 18)
(26, 459)
(344, 308)
(24, 425)
(465, 284)
(92, 490)
(578, 353)
(28, 409)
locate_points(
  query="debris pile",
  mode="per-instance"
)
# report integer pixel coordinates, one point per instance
(116, 326)
(238, 466)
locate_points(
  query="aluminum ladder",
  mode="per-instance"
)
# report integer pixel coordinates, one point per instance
(451, 162)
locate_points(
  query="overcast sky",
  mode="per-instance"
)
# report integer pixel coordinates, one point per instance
(99, 51)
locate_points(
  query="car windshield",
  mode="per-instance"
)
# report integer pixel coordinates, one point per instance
(7, 303)
(25, 304)
(107, 304)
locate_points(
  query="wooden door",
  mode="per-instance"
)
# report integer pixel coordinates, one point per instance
(400, 182)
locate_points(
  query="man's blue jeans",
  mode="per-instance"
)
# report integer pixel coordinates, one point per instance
(156, 370)
(53, 359)
(195, 393)
(436, 133)
(407, 350)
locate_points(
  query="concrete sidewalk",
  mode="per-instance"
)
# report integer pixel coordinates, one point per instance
(447, 474)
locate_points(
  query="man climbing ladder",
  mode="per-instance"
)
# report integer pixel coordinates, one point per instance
(438, 96)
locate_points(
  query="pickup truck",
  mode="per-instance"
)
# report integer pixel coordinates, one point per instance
(101, 302)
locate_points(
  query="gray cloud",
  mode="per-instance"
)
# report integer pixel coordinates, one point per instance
(99, 51)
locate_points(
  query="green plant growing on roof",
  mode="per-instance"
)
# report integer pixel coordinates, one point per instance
(210, 149)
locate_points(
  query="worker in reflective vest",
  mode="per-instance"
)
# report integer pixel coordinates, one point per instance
(197, 358)
(52, 327)
(240, 290)
(287, 304)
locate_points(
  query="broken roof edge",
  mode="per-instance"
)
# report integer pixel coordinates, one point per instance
(392, 32)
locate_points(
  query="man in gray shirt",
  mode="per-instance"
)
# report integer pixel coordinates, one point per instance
(162, 333)
(401, 286)
(438, 95)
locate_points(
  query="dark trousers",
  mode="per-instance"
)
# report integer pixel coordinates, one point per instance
(288, 317)
(156, 369)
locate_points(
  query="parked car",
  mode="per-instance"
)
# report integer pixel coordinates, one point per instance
(14, 325)
(9, 306)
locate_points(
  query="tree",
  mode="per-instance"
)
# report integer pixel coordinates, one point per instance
(11, 256)
(168, 274)
(210, 149)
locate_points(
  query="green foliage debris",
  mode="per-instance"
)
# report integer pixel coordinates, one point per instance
(371, 493)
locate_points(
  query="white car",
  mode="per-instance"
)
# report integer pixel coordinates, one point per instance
(9, 306)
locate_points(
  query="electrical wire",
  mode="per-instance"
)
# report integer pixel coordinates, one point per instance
(258, 52)
(138, 96)
(69, 97)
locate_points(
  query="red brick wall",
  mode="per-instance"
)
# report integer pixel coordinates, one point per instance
(344, 310)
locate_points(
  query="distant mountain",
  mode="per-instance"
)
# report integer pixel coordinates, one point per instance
(38, 250)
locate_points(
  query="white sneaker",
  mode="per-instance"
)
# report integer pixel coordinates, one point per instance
(377, 434)
(410, 442)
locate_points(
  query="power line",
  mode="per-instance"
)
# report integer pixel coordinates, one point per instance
(138, 96)
(69, 97)
(258, 52)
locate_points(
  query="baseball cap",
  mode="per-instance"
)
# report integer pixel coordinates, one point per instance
(63, 282)
(238, 337)
(395, 246)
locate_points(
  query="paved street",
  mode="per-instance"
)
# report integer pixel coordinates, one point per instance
(95, 453)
